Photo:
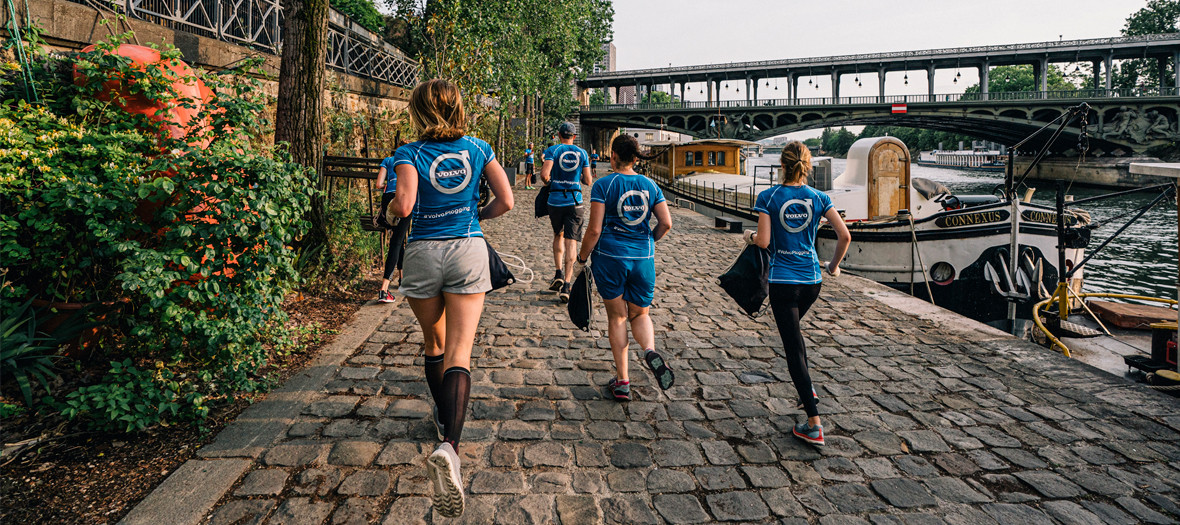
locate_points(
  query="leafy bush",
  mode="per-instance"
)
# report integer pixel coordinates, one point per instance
(191, 231)
(362, 12)
(27, 354)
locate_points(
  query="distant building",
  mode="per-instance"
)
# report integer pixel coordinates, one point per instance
(607, 63)
(626, 95)
(644, 135)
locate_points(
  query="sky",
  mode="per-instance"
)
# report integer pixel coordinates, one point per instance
(656, 33)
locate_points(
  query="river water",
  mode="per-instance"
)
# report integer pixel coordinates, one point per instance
(1140, 261)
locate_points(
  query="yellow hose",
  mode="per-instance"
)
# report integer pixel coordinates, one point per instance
(1057, 342)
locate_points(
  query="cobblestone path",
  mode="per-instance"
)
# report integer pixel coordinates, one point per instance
(923, 425)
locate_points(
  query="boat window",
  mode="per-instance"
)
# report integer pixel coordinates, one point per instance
(688, 158)
(712, 158)
(720, 158)
(697, 158)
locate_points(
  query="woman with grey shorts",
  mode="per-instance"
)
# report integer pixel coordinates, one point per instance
(445, 266)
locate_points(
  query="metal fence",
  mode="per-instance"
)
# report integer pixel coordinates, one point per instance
(258, 24)
(1086, 94)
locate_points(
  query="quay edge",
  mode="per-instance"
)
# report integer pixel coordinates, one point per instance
(1112, 172)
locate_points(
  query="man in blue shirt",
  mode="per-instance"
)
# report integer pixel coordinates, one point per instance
(565, 169)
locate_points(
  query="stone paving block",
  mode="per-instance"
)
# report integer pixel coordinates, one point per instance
(408, 511)
(853, 498)
(955, 490)
(590, 455)
(838, 469)
(301, 511)
(877, 468)
(1109, 513)
(668, 480)
(296, 454)
(1013, 514)
(318, 481)
(263, 482)
(496, 482)
(737, 506)
(920, 441)
(580, 510)
(604, 430)
(515, 430)
(675, 453)
(627, 480)
(680, 508)
(916, 466)
(399, 453)
(627, 509)
(879, 442)
(630, 455)
(242, 512)
(1021, 458)
(341, 428)
(354, 453)
(547, 454)
(1070, 512)
(550, 483)
(719, 478)
(333, 406)
(365, 483)
(534, 509)
(766, 477)
(537, 410)
(903, 493)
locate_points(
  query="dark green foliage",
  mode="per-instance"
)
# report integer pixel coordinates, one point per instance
(919, 139)
(657, 97)
(836, 142)
(194, 239)
(26, 353)
(1159, 16)
(362, 12)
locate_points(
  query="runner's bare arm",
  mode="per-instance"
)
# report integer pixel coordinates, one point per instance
(762, 236)
(501, 189)
(546, 167)
(593, 230)
(843, 239)
(663, 220)
(407, 190)
(587, 178)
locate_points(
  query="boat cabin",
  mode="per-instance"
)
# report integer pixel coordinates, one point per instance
(679, 159)
(876, 180)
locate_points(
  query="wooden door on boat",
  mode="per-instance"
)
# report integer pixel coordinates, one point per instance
(889, 178)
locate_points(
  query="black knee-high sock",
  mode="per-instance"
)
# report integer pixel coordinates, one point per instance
(456, 387)
(434, 376)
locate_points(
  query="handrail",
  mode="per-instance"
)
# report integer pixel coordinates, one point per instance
(1054, 341)
(258, 24)
(872, 57)
(1086, 94)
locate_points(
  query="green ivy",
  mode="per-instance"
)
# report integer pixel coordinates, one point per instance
(192, 235)
(362, 12)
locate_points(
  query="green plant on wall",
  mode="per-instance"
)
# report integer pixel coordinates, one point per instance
(191, 234)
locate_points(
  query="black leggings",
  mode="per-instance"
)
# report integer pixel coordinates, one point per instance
(790, 303)
(397, 241)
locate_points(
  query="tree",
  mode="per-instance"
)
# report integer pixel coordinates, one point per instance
(837, 142)
(362, 12)
(512, 50)
(597, 98)
(1159, 16)
(299, 116)
(658, 97)
(1021, 78)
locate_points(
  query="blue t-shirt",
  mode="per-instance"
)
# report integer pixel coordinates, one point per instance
(390, 175)
(794, 213)
(565, 178)
(448, 186)
(528, 156)
(629, 200)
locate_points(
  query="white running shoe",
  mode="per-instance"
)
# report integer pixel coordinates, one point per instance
(443, 466)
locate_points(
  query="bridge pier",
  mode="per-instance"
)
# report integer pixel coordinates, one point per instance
(930, 81)
(984, 79)
(881, 84)
(835, 84)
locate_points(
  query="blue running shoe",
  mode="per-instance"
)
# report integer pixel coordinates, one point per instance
(810, 434)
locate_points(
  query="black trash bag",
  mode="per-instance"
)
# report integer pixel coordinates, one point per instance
(746, 280)
(541, 205)
(581, 307)
(501, 275)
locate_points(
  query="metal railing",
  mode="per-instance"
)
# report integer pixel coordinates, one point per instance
(1086, 94)
(724, 199)
(258, 24)
(1006, 49)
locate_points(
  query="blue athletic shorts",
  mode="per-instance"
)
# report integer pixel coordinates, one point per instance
(634, 279)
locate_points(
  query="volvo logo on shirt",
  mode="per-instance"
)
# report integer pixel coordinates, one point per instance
(791, 214)
(569, 160)
(437, 176)
(628, 210)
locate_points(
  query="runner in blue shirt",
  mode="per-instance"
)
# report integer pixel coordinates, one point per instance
(446, 260)
(623, 244)
(565, 169)
(788, 217)
(529, 177)
(594, 163)
(397, 238)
